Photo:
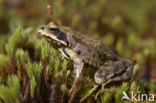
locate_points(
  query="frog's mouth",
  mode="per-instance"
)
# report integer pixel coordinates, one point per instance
(58, 39)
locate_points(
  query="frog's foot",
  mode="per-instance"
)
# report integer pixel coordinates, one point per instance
(89, 93)
(102, 89)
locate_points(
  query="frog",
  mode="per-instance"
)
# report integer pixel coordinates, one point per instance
(84, 50)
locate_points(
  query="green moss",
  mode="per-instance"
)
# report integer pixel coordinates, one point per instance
(40, 68)
(34, 71)
(10, 92)
(21, 57)
(152, 86)
(32, 87)
(4, 61)
(119, 94)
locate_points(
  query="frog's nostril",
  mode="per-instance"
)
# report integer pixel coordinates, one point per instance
(42, 27)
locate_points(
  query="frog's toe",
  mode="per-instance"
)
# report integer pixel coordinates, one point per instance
(102, 90)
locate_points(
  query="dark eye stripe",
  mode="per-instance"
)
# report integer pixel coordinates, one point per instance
(62, 36)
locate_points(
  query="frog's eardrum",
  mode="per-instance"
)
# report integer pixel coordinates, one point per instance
(62, 36)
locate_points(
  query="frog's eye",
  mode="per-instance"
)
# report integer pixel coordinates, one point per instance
(54, 30)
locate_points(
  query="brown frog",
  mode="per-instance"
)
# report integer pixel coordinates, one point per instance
(84, 50)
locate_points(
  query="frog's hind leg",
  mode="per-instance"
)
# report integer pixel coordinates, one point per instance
(124, 77)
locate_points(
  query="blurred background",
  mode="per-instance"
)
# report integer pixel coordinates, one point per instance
(128, 27)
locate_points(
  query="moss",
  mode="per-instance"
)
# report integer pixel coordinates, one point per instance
(51, 76)
(10, 92)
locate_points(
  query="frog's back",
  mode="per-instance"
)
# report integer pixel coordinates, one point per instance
(92, 51)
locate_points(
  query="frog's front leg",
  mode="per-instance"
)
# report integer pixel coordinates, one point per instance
(78, 67)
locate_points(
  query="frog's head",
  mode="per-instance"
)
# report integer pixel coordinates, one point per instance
(53, 34)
